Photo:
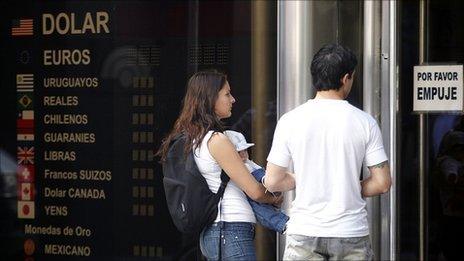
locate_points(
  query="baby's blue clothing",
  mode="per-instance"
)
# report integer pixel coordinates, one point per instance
(266, 214)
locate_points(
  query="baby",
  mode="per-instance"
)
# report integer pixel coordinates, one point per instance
(266, 214)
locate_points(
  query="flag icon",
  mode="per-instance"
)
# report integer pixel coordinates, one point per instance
(25, 125)
(26, 191)
(26, 209)
(25, 82)
(25, 135)
(22, 27)
(29, 247)
(24, 57)
(25, 173)
(26, 115)
(25, 101)
(25, 155)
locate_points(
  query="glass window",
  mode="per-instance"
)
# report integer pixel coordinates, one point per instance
(89, 90)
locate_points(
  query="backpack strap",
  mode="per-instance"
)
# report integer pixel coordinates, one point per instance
(224, 177)
(224, 180)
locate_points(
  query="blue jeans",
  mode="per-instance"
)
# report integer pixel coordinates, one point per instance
(236, 244)
(266, 214)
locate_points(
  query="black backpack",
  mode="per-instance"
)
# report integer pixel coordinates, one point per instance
(191, 203)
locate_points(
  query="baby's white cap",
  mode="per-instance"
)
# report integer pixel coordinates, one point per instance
(238, 140)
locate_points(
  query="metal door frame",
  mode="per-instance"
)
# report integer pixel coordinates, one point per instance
(380, 94)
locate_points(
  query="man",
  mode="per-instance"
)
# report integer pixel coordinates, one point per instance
(328, 140)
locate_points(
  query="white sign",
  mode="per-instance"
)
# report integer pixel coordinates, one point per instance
(438, 88)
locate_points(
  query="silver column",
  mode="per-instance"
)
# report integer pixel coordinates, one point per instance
(393, 81)
(389, 109)
(371, 101)
(294, 52)
(380, 100)
(293, 77)
(423, 122)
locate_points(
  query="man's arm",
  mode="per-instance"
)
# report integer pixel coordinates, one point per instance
(278, 179)
(378, 182)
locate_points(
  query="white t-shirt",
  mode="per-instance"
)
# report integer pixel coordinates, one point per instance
(327, 141)
(234, 204)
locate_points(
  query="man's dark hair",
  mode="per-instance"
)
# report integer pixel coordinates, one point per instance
(330, 64)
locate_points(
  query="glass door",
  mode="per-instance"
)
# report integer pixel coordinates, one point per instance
(431, 146)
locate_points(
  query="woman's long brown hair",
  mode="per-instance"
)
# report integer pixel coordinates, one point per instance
(197, 115)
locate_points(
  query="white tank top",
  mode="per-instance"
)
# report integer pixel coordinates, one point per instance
(234, 204)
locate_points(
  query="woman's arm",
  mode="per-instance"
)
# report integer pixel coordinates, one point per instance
(223, 151)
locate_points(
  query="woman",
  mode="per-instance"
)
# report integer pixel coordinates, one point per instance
(208, 100)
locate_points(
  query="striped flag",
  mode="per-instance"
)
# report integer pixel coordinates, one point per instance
(22, 27)
(25, 126)
(25, 82)
(25, 135)
(26, 209)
